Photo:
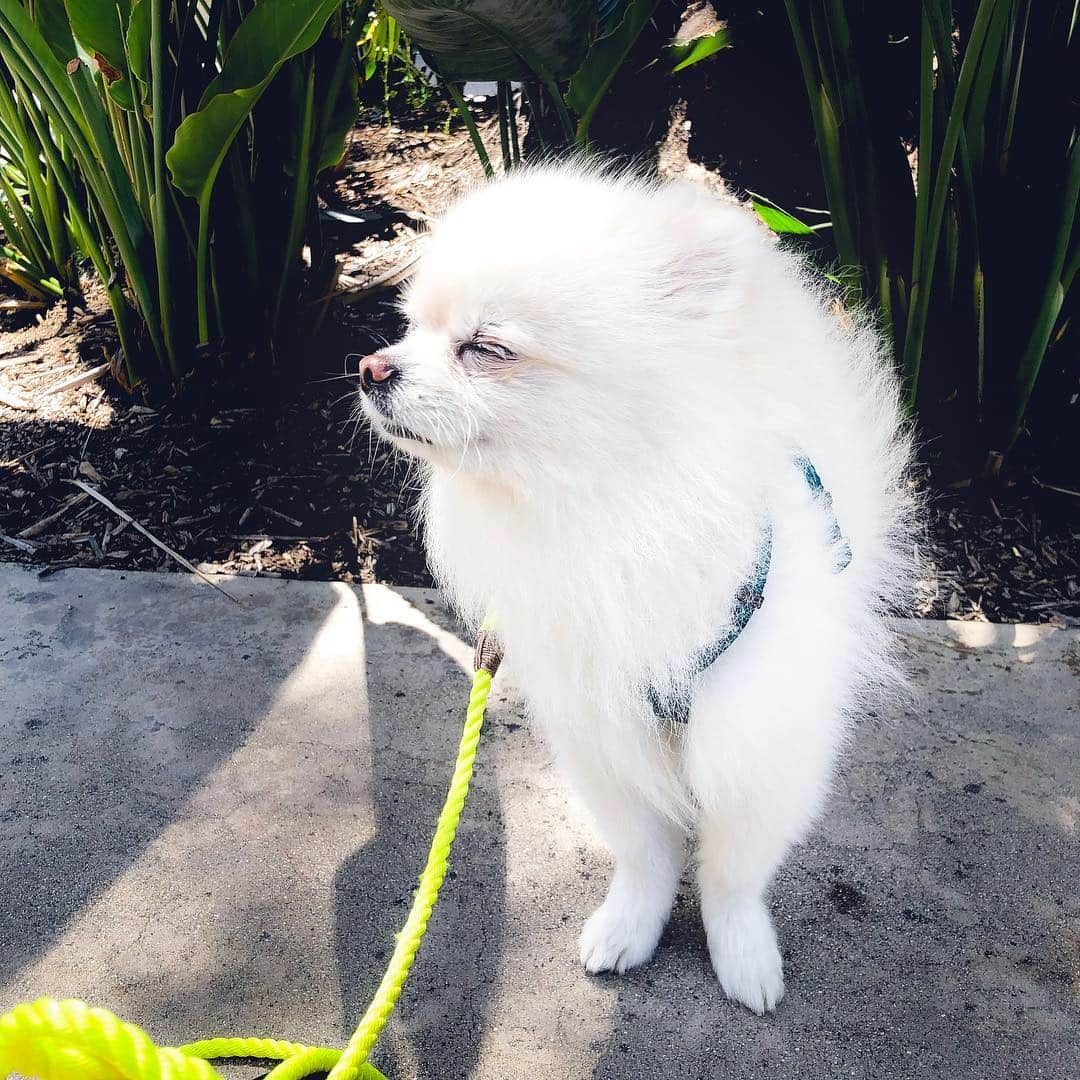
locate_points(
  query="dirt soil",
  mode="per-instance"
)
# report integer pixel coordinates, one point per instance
(302, 490)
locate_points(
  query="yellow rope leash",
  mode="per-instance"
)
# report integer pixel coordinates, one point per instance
(69, 1040)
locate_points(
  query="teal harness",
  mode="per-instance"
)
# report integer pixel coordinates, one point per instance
(674, 705)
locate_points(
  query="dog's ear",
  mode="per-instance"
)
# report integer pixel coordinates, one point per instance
(696, 274)
(707, 246)
(704, 271)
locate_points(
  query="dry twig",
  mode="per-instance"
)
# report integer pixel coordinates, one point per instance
(19, 545)
(78, 380)
(384, 281)
(22, 305)
(40, 526)
(124, 516)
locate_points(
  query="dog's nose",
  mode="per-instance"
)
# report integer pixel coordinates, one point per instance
(376, 370)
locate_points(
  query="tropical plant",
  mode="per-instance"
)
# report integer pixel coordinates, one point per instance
(386, 59)
(37, 254)
(185, 137)
(965, 229)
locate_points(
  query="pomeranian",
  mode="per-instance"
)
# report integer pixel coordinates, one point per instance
(653, 446)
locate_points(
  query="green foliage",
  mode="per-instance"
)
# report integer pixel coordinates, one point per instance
(606, 55)
(274, 32)
(387, 53)
(38, 255)
(970, 249)
(778, 219)
(185, 137)
(684, 54)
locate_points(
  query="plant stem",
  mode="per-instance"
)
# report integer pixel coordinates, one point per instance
(300, 193)
(1059, 277)
(511, 113)
(202, 269)
(466, 115)
(160, 200)
(923, 272)
(825, 126)
(502, 108)
(536, 120)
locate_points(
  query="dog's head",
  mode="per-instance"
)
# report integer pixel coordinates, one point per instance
(550, 319)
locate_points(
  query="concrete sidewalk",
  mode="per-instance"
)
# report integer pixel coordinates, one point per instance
(212, 818)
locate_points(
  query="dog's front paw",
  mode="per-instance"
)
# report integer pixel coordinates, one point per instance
(746, 957)
(618, 936)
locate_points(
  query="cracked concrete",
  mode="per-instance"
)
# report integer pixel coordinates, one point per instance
(212, 818)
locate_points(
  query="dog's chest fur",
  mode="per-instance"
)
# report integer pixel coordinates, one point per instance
(608, 593)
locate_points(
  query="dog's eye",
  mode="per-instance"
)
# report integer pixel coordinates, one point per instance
(483, 351)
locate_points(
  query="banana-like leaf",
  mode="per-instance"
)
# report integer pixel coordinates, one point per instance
(274, 31)
(591, 81)
(52, 20)
(99, 27)
(684, 54)
(137, 45)
(341, 121)
(498, 39)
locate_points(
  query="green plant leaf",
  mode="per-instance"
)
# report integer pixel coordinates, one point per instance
(606, 55)
(274, 31)
(52, 20)
(137, 43)
(478, 39)
(684, 54)
(99, 27)
(780, 221)
(1059, 277)
(340, 123)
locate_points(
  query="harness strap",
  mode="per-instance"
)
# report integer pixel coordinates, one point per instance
(749, 597)
(837, 540)
(674, 706)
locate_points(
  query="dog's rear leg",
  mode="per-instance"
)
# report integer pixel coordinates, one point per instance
(762, 737)
(649, 856)
(737, 857)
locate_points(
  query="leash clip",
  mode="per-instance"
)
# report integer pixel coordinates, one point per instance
(749, 597)
(488, 654)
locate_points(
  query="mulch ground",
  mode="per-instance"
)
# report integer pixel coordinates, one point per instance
(301, 490)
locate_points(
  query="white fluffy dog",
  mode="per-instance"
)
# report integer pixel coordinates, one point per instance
(613, 385)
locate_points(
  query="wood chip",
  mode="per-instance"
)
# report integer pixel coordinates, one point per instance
(90, 473)
(16, 401)
(55, 568)
(20, 545)
(279, 514)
